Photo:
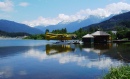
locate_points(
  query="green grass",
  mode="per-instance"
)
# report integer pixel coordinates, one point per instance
(121, 72)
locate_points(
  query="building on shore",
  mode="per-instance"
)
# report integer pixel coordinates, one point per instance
(88, 38)
(98, 37)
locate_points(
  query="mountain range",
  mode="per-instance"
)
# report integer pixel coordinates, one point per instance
(121, 20)
(11, 26)
(73, 26)
(108, 23)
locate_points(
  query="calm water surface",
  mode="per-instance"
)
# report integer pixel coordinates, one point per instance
(40, 59)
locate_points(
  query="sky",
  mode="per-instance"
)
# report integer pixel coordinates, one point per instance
(52, 12)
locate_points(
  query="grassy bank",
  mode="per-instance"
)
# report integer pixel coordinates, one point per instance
(122, 72)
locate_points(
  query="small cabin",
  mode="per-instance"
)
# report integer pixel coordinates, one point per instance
(88, 38)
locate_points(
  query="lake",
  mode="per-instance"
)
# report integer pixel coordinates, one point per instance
(41, 59)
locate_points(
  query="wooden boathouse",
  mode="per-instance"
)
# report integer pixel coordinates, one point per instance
(88, 38)
(98, 37)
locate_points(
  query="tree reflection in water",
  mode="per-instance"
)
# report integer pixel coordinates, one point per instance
(120, 52)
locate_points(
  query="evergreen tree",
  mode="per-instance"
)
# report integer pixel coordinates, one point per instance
(47, 30)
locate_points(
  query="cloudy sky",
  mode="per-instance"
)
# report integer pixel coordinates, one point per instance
(51, 12)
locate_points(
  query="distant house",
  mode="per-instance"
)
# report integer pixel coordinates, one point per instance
(97, 37)
(87, 38)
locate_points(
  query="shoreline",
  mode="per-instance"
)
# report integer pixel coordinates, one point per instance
(2, 38)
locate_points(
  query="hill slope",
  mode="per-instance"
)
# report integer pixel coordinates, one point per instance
(10, 26)
(121, 20)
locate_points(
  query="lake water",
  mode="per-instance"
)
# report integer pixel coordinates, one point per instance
(40, 59)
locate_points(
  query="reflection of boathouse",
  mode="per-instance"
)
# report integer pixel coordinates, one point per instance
(97, 48)
(98, 37)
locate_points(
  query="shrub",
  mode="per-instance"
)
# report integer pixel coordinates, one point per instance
(121, 72)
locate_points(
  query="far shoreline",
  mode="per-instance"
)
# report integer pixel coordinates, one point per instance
(2, 38)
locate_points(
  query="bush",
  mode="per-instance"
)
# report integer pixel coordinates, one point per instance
(121, 72)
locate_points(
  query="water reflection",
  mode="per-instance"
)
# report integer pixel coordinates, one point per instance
(84, 55)
(97, 48)
(12, 51)
(96, 58)
(54, 49)
(60, 61)
(6, 72)
(120, 52)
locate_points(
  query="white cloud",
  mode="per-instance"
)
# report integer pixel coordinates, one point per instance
(64, 58)
(101, 64)
(6, 72)
(24, 4)
(43, 21)
(22, 72)
(114, 8)
(6, 5)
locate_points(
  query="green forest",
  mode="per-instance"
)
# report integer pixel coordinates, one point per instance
(18, 34)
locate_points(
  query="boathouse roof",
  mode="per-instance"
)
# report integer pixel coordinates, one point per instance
(100, 33)
(88, 36)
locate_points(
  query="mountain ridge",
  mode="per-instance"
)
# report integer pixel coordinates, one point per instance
(11, 26)
(73, 26)
(121, 20)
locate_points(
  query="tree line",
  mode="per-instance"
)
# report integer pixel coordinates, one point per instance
(18, 34)
(42, 36)
(122, 33)
(58, 31)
